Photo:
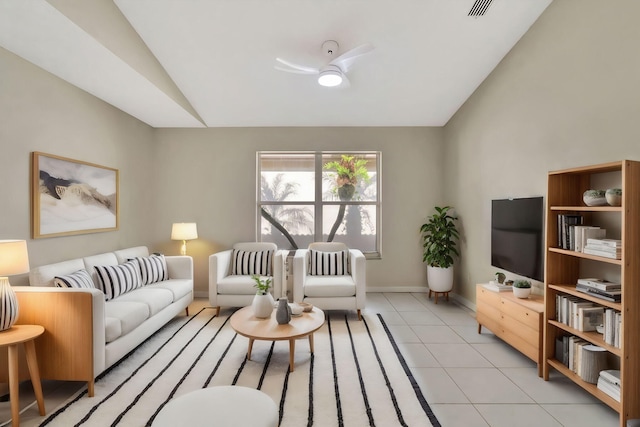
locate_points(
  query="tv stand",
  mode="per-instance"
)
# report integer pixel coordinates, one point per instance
(517, 321)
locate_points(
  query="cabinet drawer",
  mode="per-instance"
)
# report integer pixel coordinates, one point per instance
(485, 296)
(516, 328)
(529, 317)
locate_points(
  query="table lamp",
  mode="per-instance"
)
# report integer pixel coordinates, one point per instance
(184, 231)
(14, 259)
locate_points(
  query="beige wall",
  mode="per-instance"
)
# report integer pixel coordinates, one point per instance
(201, 175)
(208, 176)
(567, 95)
(39, 112)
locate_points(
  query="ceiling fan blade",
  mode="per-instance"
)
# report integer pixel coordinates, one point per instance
(301, 68)
(346, 60)
(345, 82)
(293, 70)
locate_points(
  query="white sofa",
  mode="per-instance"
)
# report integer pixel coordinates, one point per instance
(84, 334)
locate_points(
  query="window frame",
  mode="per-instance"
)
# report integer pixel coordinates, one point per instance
(318, 203)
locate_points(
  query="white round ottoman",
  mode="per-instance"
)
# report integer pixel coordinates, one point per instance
(229, 406)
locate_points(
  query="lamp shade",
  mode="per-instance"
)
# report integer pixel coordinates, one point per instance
(14, 258)
(184, 231)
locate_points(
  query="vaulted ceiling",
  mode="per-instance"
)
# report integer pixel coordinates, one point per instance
(210, 63)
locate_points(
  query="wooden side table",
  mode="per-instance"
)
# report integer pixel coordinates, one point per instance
(10, 338)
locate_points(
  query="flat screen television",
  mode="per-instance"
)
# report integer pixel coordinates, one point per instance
(517, 236)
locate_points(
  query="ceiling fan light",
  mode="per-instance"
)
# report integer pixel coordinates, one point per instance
(330, 78)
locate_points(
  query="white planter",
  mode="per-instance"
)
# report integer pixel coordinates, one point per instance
(440, 279)
(521, 292)
(262, 306)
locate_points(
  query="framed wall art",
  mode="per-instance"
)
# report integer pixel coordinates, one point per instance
(72, 197)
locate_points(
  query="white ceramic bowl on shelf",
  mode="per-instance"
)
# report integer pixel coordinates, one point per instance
(594, 198)
(614, 196)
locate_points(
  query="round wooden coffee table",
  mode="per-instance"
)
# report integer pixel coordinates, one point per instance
(246, 324)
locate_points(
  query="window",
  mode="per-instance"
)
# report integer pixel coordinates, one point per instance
(304, 197)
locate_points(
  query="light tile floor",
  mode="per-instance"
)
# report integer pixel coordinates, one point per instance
(474, 380)
(469, 379)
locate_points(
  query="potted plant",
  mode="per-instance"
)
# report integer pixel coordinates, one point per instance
(263, 301)
(522, 288)
(348, 171)
(439, 235)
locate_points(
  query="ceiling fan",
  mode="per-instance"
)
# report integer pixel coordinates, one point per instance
(334, 73)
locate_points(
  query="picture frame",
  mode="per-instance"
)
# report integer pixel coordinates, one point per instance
(70, 197)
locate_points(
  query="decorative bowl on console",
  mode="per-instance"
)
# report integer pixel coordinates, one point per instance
(594, 198)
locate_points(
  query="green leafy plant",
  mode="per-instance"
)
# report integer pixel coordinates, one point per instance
(262, 285)
(349, 170)
(439, 235)
(523, 284)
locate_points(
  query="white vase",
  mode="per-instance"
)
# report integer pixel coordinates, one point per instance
(440, 279)
(521, 292)
(8, 305)
(262, 305)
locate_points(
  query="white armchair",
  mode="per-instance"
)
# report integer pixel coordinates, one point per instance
(331, 281)
(237, 290)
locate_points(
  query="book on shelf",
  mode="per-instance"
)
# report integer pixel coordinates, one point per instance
(610, 243)
(603, 252)
(497, 287)
(609, 383)
(602, 284)
(585, 232)
(589, 318)
(613, 296)
(564, 231)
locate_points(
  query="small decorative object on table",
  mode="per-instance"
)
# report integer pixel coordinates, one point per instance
(614, 196)
(522, 288)
(263, 301)
(306, 307)
(283, 312)
(594, 198)
(500, 277)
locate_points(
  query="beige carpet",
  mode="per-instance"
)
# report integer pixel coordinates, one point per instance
(356, 377)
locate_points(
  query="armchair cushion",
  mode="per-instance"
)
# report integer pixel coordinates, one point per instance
(328, 263)
(334, 286)
(79, 279)
(237, 285)
(251, 262)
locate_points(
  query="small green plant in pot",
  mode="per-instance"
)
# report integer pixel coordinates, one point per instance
(262, 285)
(522, 288)
(439, 235)
(262, 304)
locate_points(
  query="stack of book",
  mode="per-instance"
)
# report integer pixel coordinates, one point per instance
(600, 288)
(497, 287)
(581, 357)
(609, 382)
(608, 248)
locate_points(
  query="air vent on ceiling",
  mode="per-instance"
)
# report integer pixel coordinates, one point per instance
(480, 7)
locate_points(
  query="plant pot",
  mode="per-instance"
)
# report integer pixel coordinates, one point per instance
(440, 279)
(346, 192)
(521, 292)
(262, 306)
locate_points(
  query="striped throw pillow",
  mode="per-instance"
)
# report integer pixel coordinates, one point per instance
(248, 262)
(152, 269)
(328, 263)
(115, 280)
(79, 279)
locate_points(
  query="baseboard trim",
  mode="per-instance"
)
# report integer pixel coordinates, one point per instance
(420, 289)
(463, 301)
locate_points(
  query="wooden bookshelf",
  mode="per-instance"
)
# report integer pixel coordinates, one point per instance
(564, 267)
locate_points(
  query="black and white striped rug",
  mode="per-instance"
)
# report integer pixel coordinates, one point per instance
(356, 376)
